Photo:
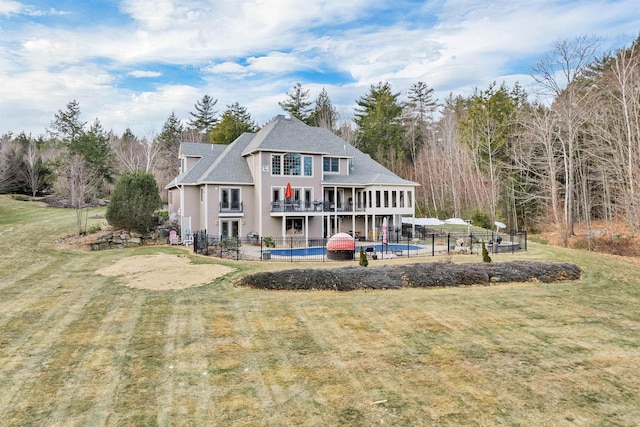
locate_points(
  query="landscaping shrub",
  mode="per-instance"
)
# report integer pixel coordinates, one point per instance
(363, 258)
(481, 219)
(163, 214)
(94, 228)
(485, 253)
(268, 242)
(413, 275)
(134, 200)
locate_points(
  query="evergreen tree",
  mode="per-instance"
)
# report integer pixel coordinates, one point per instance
(169, 144)
(378, 119)
(297, 103)
(9, 165)
(172, 129)
(234, 122)
(363, 261)
(67, 125)
(419, 122)
(204, 119)
(133, 202)
(487, 130)
(89, 146)
(94, 147)
(324, 114)
(421, 100)
(485, 253)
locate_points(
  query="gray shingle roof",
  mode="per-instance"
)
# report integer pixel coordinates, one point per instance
(207, 154)
(226, 163)
(231, 166)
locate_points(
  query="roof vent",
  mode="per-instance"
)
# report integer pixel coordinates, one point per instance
(287, 117)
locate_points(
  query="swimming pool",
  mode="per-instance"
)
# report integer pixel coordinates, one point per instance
(321, 250)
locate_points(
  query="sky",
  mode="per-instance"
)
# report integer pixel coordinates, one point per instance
(131, 63)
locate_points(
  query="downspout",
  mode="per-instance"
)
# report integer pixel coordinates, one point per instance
(353, 210)
(258, 187)
(206, 206)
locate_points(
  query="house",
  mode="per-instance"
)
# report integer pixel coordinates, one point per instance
(288, 179)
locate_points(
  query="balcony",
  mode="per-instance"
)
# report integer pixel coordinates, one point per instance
(308, 206)
(295, 206)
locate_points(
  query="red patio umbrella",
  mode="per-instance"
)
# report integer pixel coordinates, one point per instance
(288, 193)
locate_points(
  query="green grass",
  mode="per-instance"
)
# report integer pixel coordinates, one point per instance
(78, 348)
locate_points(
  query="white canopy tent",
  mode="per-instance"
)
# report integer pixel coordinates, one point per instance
(456, 221)
(423, 221)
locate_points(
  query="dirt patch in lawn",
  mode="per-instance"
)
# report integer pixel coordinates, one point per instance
(163, 272)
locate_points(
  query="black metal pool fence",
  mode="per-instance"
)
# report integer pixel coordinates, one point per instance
(300, 249)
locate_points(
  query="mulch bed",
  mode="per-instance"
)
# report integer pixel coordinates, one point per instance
(413, 276)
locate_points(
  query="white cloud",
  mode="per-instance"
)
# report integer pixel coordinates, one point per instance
(9, 7)
(254, 51)
(227, 67)
(144, 74)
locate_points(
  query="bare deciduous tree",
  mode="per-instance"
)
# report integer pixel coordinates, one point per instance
(33, 167)
(135, 154)
(78, 182)
(561, 75)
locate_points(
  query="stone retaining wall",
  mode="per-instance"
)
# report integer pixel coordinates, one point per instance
(125, 239)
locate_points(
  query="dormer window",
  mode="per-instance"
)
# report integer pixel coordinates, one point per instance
(331, 164)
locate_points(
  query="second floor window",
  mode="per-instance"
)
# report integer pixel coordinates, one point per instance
(275, 164)
(230, 198)
(331, 164)
(291, 164)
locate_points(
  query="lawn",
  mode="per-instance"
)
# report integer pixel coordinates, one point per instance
(81, 348)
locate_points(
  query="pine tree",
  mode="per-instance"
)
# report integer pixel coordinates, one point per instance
(67, 125)
(324, 114)
(419, 122)
(169, 144)
(297, 103)
(378, 118)
(94, 147)
(234, 122)
(204, 119)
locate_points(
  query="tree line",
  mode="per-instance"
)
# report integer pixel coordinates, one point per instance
(569, 154)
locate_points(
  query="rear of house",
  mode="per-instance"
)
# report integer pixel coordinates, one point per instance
(288, 179)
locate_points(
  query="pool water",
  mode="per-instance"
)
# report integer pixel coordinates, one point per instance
(315, 251)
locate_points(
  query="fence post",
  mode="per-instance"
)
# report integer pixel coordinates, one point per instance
(433, 244)
(448, 243)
